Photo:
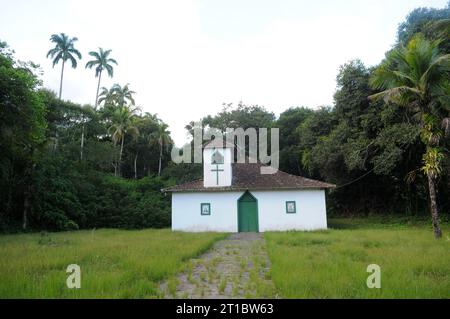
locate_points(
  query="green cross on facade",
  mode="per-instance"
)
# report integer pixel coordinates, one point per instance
(217, 170)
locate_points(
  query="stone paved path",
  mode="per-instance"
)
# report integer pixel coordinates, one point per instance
(236, 267)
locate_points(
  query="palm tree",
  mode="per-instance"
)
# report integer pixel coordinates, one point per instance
(416, 76)
(64, 50)
(123, 95)
(101, 62)
(88, 111)
(123, 123)
(106, 96)
(161, 137)
(117, 95)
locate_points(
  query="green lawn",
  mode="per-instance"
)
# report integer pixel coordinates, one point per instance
(325, 264)
(333, 263)
(114, 263)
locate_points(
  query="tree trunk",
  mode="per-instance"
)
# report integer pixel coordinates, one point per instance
(82, 142)
(11, 183)
(55, 145)
(433, 207)
(61, 81)
(135, 166)
(120, 157)
(26, 206)
(98, 89)
(160, 157)
(27, 192)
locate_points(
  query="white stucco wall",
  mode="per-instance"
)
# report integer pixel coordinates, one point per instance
(310, 211)
(186, 211)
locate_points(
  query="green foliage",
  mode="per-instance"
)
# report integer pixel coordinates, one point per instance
(367, 147)
(144, 150)
(71, 225)
(134, 204)
(416, 72)
(122, 123)
(416, 76)
(22, 131)
(432, 161)
(101, 61)
(426, 21)
(58, 157)
(182, 173)
(64, 49)
(22, 110)
(291, 153)
(393, 140)
(70, 194)
(243, 116)
(117, 96)
(161, 137)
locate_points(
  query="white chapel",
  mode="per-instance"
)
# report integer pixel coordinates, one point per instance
(236, 197)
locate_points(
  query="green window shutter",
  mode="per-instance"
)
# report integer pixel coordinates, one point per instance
(291, 207)
(205, 209)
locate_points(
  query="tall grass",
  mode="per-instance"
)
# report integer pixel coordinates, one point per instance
(114, 263)
(333, 263)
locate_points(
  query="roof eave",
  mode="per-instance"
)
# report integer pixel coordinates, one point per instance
(238, 189)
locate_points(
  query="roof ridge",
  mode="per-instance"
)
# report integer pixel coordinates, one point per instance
(249, 177)
(283, 172)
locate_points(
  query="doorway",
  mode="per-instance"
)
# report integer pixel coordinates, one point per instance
(247, 213)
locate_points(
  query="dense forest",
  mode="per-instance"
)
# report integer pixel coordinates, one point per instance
(384, 142)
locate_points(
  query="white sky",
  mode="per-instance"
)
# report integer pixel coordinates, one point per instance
(185, 58)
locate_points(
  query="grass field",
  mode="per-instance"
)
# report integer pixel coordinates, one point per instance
(325, 264)
(114, 263)
(333, 263)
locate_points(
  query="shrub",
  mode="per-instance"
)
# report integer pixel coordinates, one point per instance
(71, 225)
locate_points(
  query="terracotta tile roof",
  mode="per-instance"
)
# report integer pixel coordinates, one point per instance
(248, 176)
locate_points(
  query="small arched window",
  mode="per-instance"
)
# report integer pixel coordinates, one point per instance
(217, 157)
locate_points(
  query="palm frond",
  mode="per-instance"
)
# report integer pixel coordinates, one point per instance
(76, 52)
(112, 61)
(58, 57)
(90, 64)
(64, 49)
(411, 177)
(133, 131)
(98, 70)
(110, 70)
(95, 55)
(101, 61)
(73, 61)
(105, 53)
(441, 61)
(51, 53)
(397, 94)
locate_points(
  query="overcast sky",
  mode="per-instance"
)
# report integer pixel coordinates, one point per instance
(185, 58)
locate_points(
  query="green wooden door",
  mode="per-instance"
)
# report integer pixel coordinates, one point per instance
(247, 213)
